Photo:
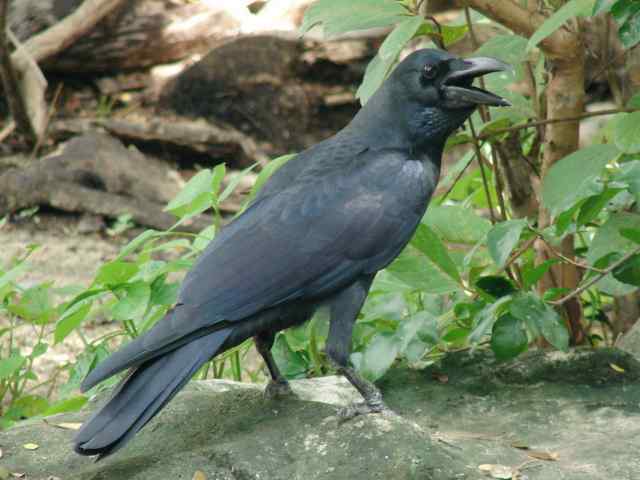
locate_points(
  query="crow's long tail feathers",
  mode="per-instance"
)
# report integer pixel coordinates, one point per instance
(143, 394)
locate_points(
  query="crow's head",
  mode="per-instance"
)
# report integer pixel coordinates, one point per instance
(434, 78)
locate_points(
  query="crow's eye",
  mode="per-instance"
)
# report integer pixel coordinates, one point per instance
(430, 71)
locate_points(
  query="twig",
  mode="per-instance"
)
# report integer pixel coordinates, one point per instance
(514, 128)
(455, 181)
(7, 130)
(9, 80)
(597, 278)
(52, 110)
(485, 183)
(561, 256)
(64, 33)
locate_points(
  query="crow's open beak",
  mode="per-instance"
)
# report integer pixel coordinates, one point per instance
(457, 87)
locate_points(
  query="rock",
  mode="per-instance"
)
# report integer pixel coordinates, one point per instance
(546, 416)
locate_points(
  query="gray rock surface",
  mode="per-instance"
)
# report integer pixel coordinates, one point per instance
(544, 416)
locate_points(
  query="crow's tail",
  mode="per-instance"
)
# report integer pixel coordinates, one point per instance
(141, 395)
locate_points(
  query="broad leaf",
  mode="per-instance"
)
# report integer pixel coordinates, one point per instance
(338, 16)
(11, 365)
(195, 197)
(627, 133)
(457, 224)
(502, 239)
(430, 244)
(116, 272)
(134, 301)
(629, 271)
(511, 49)
(573, 8)
(379, 356)
(387, 56)
(609, 239)
(541, 319)
(574, 177)
(71, 319)
(417, 271)
(509, 338)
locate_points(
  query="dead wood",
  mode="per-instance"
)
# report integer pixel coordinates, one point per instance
(95, 173)
(218, 142)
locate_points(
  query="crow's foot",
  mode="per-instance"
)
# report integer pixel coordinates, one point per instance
(278, 389)
(363, 408)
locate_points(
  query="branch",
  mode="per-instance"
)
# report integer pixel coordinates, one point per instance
(508, 13)
(64, 33)
(597, 278)
(522, 126)
(9, 80)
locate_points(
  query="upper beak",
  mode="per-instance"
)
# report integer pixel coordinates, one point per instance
(457, 85)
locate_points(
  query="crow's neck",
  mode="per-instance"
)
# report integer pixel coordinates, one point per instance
(387, 122)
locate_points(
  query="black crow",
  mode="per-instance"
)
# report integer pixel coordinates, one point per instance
(316, 235)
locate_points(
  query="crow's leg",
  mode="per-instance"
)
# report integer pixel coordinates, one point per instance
(344, 311)
(278, 386)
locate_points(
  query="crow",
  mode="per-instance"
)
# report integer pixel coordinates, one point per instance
(315, 236)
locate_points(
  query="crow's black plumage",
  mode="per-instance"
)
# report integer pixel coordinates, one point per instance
(317, 233)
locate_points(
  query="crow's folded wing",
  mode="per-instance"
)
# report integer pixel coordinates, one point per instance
(304, 242)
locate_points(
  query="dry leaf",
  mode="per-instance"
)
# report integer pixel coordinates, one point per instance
(497, 471)
(199, 475)
(546, 456)
(31, 446)
(617, 368)
(1, 453)
(19, 475)
(68, 425)
(520, 445)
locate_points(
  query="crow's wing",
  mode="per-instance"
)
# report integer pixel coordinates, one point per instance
(307, 241)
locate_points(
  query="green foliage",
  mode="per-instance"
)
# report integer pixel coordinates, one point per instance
(627, 15)
(571, 9)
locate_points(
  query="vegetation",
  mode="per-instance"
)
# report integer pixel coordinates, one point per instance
(557, 248)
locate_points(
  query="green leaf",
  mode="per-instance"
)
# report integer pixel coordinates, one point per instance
(590, 209)
(35, 305)
(541, 319)
(485, 319)
(627, 14)
(137, 242)
(629, 271)
(627, 133)
(233, 183)
(266, 173)
(389, 50)
(495, 286)
(511, 48)
(338, 16)
(71, 319)
(608, 239)
(72, 404)
(134, 302)
(164, 293)
(573, 8)
(503, 238)
(422, 326)
(602, 6)
(116, 272)
(292, 364)
(379, 356)
(10, 366)
(631, 233)
(532, 274)
(430, 244)
(574, 177)
(509, 338)
(417, 271)
(195, 197)
(457, 224)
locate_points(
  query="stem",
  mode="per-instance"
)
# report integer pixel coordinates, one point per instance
(485, 183)
(9, 80)
(574, 118)
(597, 278)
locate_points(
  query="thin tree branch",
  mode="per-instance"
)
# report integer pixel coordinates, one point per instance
(597, 278)
(522, 126)
(64, 33)
(485, 182)
(9, 80)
